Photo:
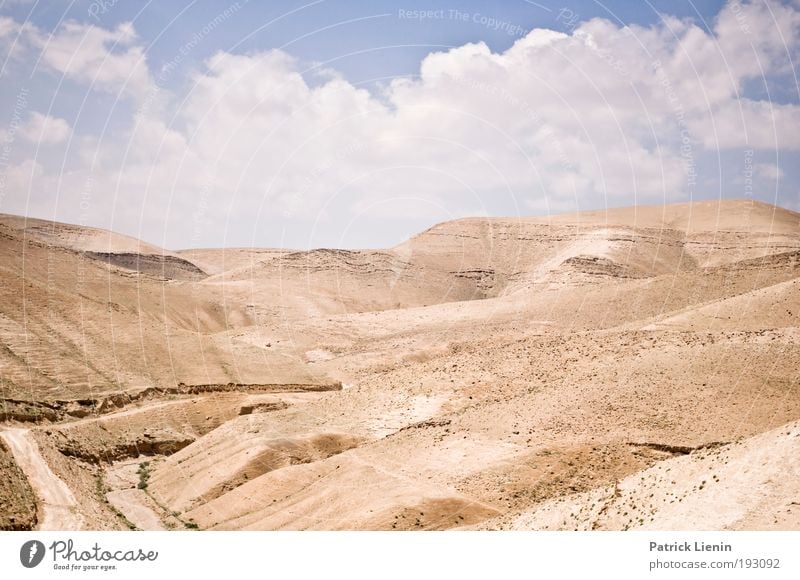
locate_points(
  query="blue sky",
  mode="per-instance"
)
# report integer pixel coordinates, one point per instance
(365, 39)
(356, 124)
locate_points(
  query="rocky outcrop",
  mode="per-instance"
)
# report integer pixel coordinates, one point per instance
(163, 266)
(159, 442)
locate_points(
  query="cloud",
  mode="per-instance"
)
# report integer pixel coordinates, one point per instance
(604, 114)
(107, 60)
(104, 59)
(10, 33)
(24, 176)
(8, 26)
(44, 130)
(747, 123)
(768, 171)
(758, 38)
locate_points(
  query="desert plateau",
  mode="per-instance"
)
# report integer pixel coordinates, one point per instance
(633, 368)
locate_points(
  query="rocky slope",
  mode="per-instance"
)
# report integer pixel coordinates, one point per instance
(487, 373)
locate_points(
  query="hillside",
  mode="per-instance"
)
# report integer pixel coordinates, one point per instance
(493, 373)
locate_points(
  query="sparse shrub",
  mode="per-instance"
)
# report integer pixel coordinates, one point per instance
(144, 474)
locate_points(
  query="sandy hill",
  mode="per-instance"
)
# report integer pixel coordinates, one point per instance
(78, 238)
(751, 484)
(716, 216)
(486, 373)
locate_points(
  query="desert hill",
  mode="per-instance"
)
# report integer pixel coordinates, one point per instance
(490, 372)
(749, 482)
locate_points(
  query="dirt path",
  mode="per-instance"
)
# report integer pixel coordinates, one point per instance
(58, 508)
(133, 505)
(145, 408)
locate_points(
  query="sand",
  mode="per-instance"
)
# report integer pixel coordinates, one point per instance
(525, 373)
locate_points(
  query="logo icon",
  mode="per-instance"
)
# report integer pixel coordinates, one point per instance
(31, 553)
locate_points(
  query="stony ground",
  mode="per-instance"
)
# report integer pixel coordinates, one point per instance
(609, 370)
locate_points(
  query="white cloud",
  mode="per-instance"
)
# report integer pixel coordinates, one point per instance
(22, 179)
(768, 171)
(44, 130)
(102, 59)
(10, 33)
(8, 27)
(747, 123)
(106, 59)
(758, 37)
(602, 115)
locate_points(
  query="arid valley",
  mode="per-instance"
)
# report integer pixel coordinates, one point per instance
(634, 368)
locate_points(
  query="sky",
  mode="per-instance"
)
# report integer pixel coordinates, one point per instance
(357, 124)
